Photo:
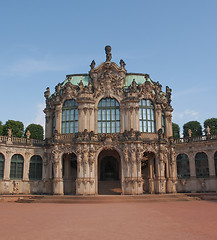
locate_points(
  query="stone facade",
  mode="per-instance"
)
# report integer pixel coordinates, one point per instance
(108, 129)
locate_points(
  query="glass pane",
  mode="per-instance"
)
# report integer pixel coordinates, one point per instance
(99, 114)
(67, 115)
(63, 115)
(117, 114)
(76, 114)
(108, 115)
(103, 114)
(67, 127)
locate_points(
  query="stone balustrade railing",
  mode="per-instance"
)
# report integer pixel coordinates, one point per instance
(21, 141)
(196, 139)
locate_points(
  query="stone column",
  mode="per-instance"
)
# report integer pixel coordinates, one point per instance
(48, 123)
(7, 166)
(26, 167)
(58, 118)
(168, 119)
(172, 178)
(211, 163)
(122, 124)
(58, 179)
(192, 171)
(151, 180)
(158, 113)
(137, 118)
(160, 170)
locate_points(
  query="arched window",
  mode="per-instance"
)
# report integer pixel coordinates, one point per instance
(35, 168)
(2, 165)
(108, 116)
(70, 116)
(215, 160)
(183, 169)
(146, 116)
(16, 167)
(163, 122)
(201, 165)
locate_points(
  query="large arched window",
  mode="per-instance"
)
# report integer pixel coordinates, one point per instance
(2, 165)
(146, 116)
(201, 165)
(108, 116)
(70, 116)
(215, 160)
(183, 169)
(35, 168)
(16, 167)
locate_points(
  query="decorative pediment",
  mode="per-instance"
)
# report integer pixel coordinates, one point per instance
(108, 78)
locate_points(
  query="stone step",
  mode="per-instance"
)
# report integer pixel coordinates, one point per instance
(96, 199)
(109, 188)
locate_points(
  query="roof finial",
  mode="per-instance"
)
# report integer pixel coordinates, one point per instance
(108, 53)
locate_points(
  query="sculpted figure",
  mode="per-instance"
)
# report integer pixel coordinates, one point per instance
(189, 133)
(93, 64)
(28, 134)
(168, 94)
(81, 86)
(47, 93)
(9, 132)
(122, 63)
(108, 53)
(208, 130)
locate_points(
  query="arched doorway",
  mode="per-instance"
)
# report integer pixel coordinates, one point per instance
(109, 173)
(69, 171)
(148, 171)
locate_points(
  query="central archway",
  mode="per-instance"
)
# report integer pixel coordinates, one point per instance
(69, 173)
(109, 173)
(148, 172)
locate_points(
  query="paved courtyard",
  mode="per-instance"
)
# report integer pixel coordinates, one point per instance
(149, 220)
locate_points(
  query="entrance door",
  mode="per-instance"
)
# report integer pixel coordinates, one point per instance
(69, 168)
(109, 173)
(148, 171)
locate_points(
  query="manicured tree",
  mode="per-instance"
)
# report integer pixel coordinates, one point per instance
(212, 123)
(195, 127)
(176, 130)
(36, 130)
(16, 126)
(1, 128)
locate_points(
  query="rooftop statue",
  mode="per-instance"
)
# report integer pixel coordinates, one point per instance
(108, 53)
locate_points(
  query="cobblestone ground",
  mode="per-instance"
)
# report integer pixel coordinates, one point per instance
(150, 220)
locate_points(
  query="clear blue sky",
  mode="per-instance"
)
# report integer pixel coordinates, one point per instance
(42, 41)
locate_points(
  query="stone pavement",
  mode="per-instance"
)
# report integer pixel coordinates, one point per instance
(120, 221)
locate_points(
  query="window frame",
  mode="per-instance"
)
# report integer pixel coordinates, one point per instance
(147, 122)
(35, 168)
(16, 160)
(69, 117)
(2, 165)
(183, 160)
(108, 116)
(200, 166)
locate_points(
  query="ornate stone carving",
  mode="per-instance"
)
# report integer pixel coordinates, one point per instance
(108, 53)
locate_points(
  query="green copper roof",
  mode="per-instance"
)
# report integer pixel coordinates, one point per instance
(139, 78)
(76, 78)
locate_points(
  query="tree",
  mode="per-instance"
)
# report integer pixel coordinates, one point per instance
(36, 130)
(16, 126)
(1, 128)
(176, 130)
(195, 127)
(212, 123)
